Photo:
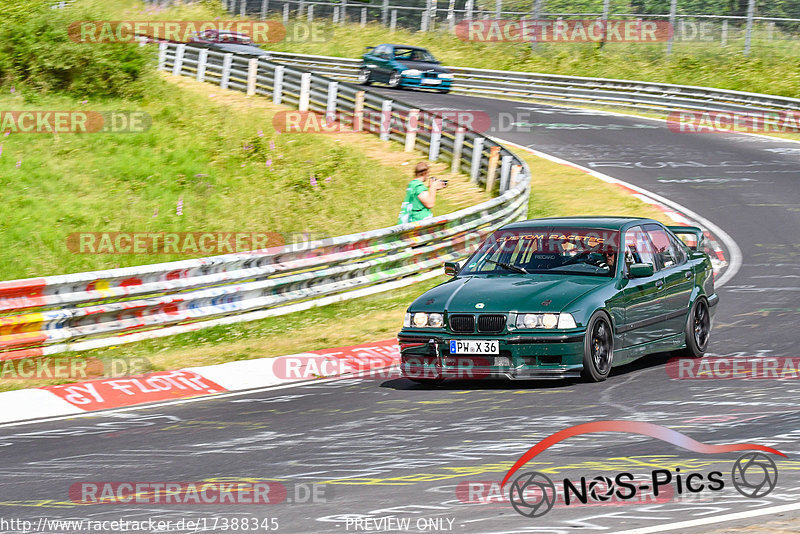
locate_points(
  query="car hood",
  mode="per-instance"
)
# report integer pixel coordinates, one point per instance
(502, 293)
(420, 65)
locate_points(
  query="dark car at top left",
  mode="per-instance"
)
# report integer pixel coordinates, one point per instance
(227, 42)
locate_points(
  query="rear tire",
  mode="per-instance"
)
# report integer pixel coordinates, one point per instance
(598, 348)
(697, 330)
(364, 76)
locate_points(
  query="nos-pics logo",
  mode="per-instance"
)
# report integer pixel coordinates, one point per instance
(533, 494)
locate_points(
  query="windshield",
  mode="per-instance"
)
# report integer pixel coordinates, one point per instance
(414, 54)
(231, 37)
(552, 250)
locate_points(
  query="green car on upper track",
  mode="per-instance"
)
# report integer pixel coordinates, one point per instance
(563, 297)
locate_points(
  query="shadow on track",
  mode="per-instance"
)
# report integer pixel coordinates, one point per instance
(643, 364)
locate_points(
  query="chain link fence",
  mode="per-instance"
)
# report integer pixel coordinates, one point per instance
(764, 25)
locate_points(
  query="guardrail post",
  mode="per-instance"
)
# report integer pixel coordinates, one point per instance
(264, 7)
(305, 90)
(412, 125)
(468, 8)
(386, 119)
(310, 13)
(252, 75)
(336, 14)
(393, 23)
(512, 182)
(226, 70)
(330, 109)
(385, 13)
(277, 86)
(477, 155)
(363, 17)
(162, 55)
(300, 9)
(343, 12)
(423, 24)
(358, 112)
(202, 61)
(505, 173)
(178, 63)
(242, 8)
(286, 13)
(458, 146)
(498, 9)
(491, 172)
(436, 139)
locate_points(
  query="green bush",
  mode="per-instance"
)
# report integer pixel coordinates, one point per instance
(36, 52)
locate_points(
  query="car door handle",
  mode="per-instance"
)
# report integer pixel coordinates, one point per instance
(688, 275)
(659, 284)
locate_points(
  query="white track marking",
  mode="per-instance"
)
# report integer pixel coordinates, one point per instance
(770, 510)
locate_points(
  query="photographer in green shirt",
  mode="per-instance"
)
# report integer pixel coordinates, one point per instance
(420, 195)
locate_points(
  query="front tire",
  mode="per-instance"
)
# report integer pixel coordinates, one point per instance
(364, 76)
(394, 79)
(598, 348)
(698, 328)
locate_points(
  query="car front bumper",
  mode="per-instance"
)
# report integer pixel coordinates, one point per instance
(521, 356)
(424, 82)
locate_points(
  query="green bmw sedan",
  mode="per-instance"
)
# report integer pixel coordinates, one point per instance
(563, 297)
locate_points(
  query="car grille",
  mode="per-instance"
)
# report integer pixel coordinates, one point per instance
(462, 324)
(491, 323)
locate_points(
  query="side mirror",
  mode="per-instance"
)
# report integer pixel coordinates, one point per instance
(641, 270)
(451, 268)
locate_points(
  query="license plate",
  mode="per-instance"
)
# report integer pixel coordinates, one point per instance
(474, 346)
(426, 81)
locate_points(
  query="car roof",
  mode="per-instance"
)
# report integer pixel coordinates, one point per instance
(606, 222)
(411, 47)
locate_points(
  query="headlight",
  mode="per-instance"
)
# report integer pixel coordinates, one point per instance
(411, 72)
(407, 320)
(445, 76)
(566, 320)
(425, 320)
(550, 320)
(528, 320)
(545, 320)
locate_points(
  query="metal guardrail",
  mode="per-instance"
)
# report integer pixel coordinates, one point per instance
(42, 316)
(570, 89)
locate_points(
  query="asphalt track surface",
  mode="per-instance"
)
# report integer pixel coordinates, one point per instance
(386, 447)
